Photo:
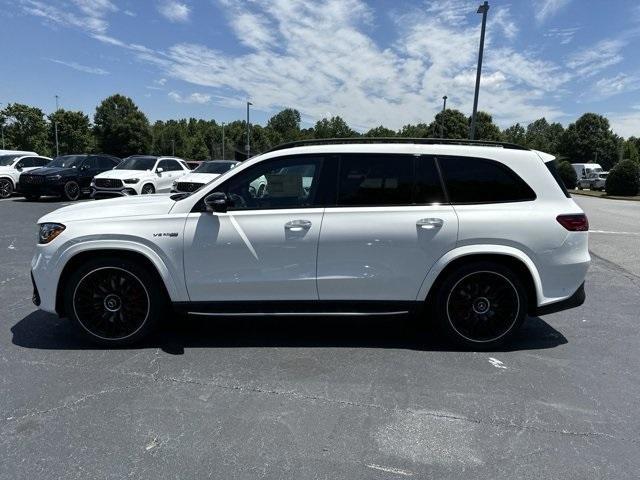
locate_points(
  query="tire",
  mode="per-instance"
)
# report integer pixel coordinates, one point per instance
(6, 188)
(71, 191)
(481, 306)
(114, 301)
(147, 189)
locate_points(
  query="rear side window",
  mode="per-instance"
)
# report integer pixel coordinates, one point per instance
(428, 188)
(478, 180)
(551, 166)
(375, 180)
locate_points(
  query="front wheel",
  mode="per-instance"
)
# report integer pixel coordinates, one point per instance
(6, 188)
(481, 305)
(71, 191)
(114, 301)
(148, 189)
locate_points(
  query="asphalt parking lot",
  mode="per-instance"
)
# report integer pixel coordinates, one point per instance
(327, 399)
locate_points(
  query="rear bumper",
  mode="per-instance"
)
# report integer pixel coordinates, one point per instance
(573, 301)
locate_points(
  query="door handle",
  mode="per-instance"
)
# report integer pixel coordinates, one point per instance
(430, 223)
(297, 225)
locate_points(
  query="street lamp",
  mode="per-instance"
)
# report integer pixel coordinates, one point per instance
(483, 9)
(248, 131)
(444, 107)
(55, 126)
(2, 128)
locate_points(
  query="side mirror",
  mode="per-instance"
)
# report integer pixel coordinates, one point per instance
(159, 170)
(19, 167)
(216, 202)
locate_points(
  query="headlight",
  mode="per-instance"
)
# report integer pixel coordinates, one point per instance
(131, 180)
(54, 177)
(49, 231)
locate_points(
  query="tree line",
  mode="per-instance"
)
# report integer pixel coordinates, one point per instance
(120, 128)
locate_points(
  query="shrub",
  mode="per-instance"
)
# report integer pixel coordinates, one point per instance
(567, 174)
(624, 179)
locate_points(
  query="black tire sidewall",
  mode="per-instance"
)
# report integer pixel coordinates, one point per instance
(442, 298)
(155, 291)
(147, 185)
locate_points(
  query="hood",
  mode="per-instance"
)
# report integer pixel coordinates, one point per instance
(7, 169)
(124, 174)
(139, 205)
(43, 171)
(198, 177)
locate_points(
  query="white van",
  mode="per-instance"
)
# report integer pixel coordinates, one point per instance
(584, 169)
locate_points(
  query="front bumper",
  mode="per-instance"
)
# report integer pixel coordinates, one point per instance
(100, 193)
(40, 189)
(573, 301)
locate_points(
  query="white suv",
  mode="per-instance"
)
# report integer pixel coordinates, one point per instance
(471, 236)
(12, 165)
(139, 175)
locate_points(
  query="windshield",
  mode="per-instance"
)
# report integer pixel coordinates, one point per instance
(68, 161)
(214, 167)
(7, 160)
(137, 163)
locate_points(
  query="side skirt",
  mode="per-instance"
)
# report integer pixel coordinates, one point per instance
(294, 308)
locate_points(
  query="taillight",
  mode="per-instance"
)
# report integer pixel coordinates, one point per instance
(574, 223)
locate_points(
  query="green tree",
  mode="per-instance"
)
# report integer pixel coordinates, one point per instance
(24, 128)
(623, 179)
(335, 127)
(590, 139)
(74, 132)
(380, 132)
(630, 151)
(455, 125)
(121, 129)
(543, 136)
(286, 124)
(485, 128)
(419, 130)
(515, 134)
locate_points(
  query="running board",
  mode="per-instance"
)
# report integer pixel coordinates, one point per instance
(318, 308)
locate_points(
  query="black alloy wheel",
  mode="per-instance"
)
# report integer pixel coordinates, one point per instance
(71, 191)
(148, 189)
(114, 302)
(6, 188)
(482, 305)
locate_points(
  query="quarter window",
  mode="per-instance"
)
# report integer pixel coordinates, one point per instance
(375, 180)
(478, 180)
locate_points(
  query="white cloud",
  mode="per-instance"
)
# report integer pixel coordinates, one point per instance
(595, 58)
(564, 36)
(545, 9)
(174, 11)
(625, 124)
(191, 98)
(252, 30)
(610, 86)
(130, 13)
(81, 68)
(503, 19)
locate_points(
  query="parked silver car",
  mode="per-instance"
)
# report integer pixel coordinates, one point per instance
(593, 181)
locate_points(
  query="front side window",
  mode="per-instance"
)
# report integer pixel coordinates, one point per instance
(173, 166)
(375, 180)
(478, 180)
(67, 161)
(214, 167)
(41, 162)
(285, 183)
(137, 163)
(27, 162)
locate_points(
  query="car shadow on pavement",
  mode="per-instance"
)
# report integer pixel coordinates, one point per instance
(40, 330)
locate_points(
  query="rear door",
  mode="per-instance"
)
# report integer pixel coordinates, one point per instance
(87, 171)
(390, 224)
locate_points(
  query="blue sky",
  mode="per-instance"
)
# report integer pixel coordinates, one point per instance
(372, 62)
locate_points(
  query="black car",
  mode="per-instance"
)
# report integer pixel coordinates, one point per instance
(68, 176)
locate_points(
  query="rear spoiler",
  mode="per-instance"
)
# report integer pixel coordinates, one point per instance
(545, 157)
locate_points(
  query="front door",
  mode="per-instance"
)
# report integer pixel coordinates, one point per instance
(265, 246)
(390, 225)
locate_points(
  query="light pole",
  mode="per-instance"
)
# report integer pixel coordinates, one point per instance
(444, 107)
(2, 128)
(248, 131)
(173, 147)
(55, 127)
(483, 9)
(223, 140)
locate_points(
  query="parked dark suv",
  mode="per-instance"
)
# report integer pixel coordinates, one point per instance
(68, 176)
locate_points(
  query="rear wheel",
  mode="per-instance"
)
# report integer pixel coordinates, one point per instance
(71, 191)
(113, 301)
(481, 305)
(6, 188)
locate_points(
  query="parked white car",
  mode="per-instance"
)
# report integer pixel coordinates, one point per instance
(139, 175)
(12, 165)
(593, 181)
(584, 169)
(203, 174)
(469, 236)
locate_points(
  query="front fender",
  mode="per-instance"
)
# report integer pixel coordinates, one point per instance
(468, 250)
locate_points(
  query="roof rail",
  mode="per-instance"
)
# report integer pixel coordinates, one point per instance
(419, 141)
